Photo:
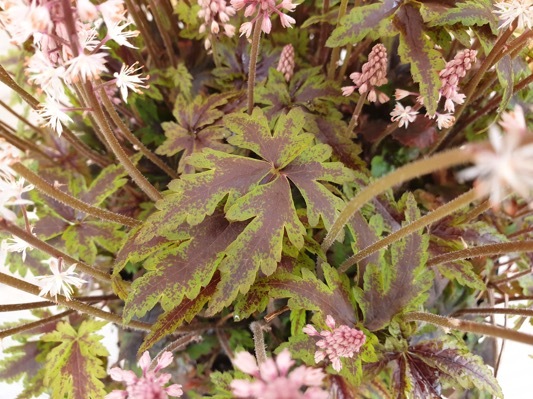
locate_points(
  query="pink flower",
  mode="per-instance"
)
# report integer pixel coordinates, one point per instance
(264, 10)
(403, 115)
(342, 341)
(273, 380)
(152, 383)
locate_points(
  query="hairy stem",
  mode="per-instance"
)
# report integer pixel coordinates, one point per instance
(50, 250)
(108, 105)
(483, 250)
(73, 304)
(258, 327)
(470, 326)
(490, 311)
(400, 175)
(52, 192)
(134, 173)
(20, 143)
(356, 112)
(164, 34)
(254, 53)
(178, 344)
(34, 324)
(44, 304)
(144, 29)
(424, 221)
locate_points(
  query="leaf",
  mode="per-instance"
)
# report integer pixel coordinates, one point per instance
(363, 21)
(456, 365)
(308, 90)
(304, 291)
(198, 126)
(416, 48)
(505, 72)
(169, 321)
(181, 270)
(73, 368)
(330, 17)
(259, 210)
(468, 13)
(400, 280)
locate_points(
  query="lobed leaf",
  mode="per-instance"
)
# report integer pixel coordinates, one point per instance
(73, 368)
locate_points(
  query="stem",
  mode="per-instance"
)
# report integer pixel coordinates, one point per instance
(50, 250)
(337, 50)
(44, 304)
(356, 112)
(134, 173)
(34, 324)
(470, 89)
(108, 105)
(418, 168)
(73, 304)
(20, 143)
(489, 311)
(344, 67)
(483, 250)
(424, 221)
(49, 190)
(140, 23)
(254, 52)
(167, 41)
(178, 344)
(492, 104)
(257, 328)
(20, 117)
(323, 35)
(470, 326)
(9, 82)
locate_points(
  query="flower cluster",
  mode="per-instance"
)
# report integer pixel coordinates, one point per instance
(216, 14)
(11, 190)
(273, 379)
(67, 48)
(342, 341)
(508, 164)
(450, 76)
(372, 75)
(151, 385)
(286, 62)
(263, 10)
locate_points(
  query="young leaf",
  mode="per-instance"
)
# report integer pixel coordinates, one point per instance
(362, 21)
(400, 281)
(198, 126)
(73, 368)
(415, 48)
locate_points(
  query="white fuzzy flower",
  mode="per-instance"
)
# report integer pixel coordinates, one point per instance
(86, 67)
(444, 121)
(403, 115)
(126, 79)
(520, 10)
(60, 282)
(505, 166)
(117, 33)
(52, 114)
(15, 244)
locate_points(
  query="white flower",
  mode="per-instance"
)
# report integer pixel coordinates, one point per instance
(116, 32)
(86, 67)
(521, 10)
(403, 115)
(400, 94)
(506, 166)
(126, 79)
(60, 281)
(11, 194)
(53, 115)
(44, 75)
(444, 121)
(15, 245)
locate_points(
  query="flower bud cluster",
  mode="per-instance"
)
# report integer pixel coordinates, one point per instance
(372, 75)
(286, 62)
(451, 74)
(216, 15)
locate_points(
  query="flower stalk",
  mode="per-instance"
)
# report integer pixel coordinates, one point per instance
(254, 53)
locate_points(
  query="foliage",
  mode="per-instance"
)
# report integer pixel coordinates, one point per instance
(222, 193)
